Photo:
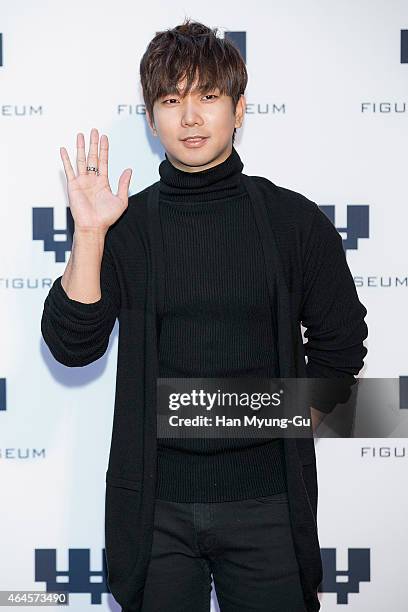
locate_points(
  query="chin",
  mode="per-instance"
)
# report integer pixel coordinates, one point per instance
(195, 158)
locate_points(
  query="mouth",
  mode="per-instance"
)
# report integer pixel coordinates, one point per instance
(194, 138)
(194, 142)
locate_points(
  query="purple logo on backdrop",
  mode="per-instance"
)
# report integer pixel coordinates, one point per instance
(43, 229)
(3, 405)
(357, 224)
(404, 46)
(403, 392)
(239, 39)
(358, 571)
(79, 578)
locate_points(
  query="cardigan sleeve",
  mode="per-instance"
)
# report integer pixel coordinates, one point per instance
(77, 333)
(333, 317)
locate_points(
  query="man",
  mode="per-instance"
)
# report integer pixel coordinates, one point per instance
(210, 273)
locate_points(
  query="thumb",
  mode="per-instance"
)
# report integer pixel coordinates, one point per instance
(124, 181)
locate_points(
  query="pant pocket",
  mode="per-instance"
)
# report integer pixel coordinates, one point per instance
(276, 498)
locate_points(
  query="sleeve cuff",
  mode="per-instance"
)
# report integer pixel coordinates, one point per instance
(74, 307)
(325, 392)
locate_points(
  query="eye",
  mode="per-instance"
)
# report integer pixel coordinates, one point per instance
(175, 99)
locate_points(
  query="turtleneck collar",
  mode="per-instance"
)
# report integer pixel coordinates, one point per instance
(218, 182)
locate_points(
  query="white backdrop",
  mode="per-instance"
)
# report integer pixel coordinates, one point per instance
(326, 116)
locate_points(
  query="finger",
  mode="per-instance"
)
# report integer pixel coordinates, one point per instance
(92, 159)
(103, 155)
(69, 172)
(124, 181)
(81, 158)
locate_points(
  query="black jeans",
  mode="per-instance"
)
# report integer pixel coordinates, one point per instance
(245, 546)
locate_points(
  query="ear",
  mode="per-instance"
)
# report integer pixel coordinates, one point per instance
(240, 111)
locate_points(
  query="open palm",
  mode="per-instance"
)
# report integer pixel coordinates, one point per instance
(92, 203)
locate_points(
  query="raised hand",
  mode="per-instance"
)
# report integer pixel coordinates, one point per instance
(92, 203)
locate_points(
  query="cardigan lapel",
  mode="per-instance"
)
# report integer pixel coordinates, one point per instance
(148, 491)
(277, 286)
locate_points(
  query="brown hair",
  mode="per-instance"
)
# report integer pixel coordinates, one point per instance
(186, 51)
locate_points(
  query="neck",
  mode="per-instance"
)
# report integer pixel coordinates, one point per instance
(217, 182)
(213, 162)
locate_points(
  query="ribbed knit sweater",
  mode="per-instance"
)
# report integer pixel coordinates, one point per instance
(216, 323)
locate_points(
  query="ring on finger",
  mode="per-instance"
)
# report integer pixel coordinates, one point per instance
(93, 169)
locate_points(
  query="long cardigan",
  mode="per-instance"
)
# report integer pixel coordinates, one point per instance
(309, 281)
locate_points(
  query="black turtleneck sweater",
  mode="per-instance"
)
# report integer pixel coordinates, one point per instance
(216, 323)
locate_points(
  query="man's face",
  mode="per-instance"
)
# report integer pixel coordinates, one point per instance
(207, 114)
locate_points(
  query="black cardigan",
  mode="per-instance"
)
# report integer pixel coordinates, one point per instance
(309, 281)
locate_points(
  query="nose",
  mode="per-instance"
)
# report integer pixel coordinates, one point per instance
(191, 115)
